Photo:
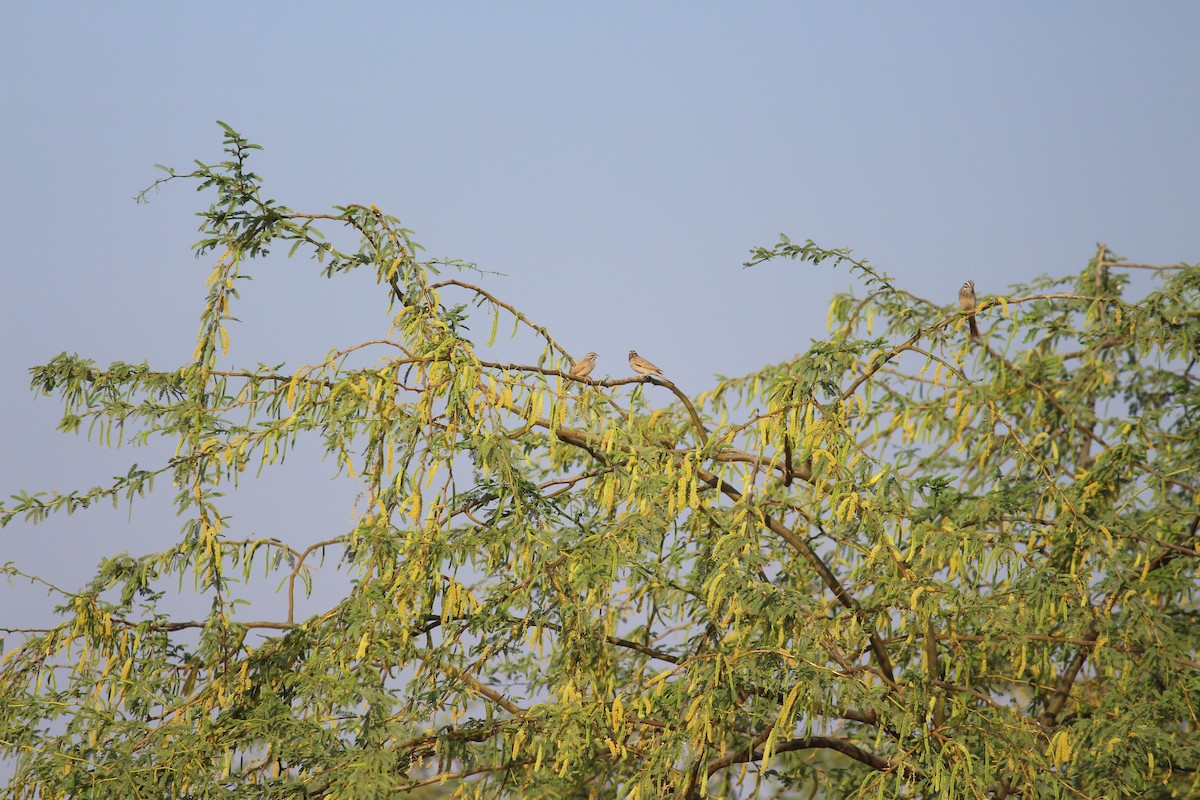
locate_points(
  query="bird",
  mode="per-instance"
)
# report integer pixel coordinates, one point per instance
(641, 366)
(966, 299)
(584, 367)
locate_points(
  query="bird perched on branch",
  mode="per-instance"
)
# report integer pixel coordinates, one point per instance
(584, 367)
(641, 366)
(966, 299)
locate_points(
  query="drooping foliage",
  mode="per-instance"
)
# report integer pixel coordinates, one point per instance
(904, 563)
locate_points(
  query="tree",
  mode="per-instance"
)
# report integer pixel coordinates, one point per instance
(905, 563)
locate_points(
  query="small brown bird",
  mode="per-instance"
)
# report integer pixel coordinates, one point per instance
(584, 367)
(641, 366)
(966, 299)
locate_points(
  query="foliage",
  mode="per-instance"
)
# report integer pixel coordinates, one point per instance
(901, 564)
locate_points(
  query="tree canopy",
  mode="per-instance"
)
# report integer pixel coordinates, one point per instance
(903, 563)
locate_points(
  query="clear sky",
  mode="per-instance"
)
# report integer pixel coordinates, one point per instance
(616, 161)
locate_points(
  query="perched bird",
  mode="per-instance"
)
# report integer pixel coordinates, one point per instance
(641, 366)
(584, 367)
(966, 299)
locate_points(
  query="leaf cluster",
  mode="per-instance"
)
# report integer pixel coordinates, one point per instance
(903, 563)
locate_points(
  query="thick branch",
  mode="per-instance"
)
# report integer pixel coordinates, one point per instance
(701, 431)
(843, 746)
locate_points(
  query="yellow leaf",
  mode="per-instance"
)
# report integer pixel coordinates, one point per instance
(395, 265)
(518, 740)
(617, 712)
(660, 677)
(362, 645)
(712, 589)
(1063, 752)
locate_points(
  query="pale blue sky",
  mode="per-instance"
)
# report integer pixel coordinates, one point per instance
(616, 161)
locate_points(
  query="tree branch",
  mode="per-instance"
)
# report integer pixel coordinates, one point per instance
(843, 746)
